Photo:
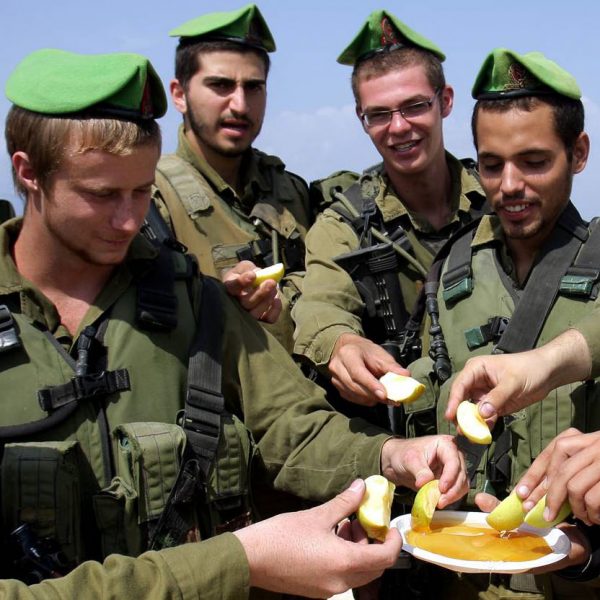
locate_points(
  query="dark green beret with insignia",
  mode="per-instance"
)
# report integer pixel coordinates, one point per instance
(56, 82)
(506, 74)
(244, 26)
(381, 32)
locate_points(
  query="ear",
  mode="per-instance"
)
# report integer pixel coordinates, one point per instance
(447, 100)
(581, 151)
(178, 96)
(24, 172)
(358, 112)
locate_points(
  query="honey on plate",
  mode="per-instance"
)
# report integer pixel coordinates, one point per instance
(466, 542)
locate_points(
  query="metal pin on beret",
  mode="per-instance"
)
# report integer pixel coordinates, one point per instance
(382, 32)
(506, 74)
(244, 26)
(56, 82)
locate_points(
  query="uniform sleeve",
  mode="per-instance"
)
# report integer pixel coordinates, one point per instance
(589, 327)
(305, 447)
(330, 304)
(215, 569)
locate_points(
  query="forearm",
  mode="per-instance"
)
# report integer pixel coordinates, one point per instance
(169, 574)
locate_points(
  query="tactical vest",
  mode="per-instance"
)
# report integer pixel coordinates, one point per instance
(387, 253)
(271, 232)
(481, 313)
(100, 454)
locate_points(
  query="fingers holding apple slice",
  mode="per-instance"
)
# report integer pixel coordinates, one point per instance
(471, 423)
(375, 510)
(401, 389)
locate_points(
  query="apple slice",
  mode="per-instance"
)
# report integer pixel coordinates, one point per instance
(509, 514)
(401, 388)
(274, 272)
(535, 517)
(424, 505)
(374, 512)
(472, 424)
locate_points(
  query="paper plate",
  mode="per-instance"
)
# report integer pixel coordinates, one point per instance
(555, 538)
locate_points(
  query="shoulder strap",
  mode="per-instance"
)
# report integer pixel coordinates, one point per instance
(557, 255)
(204, 403)
(189, 187)
(583, 274)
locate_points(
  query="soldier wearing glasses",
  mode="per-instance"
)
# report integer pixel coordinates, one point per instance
(416, 197)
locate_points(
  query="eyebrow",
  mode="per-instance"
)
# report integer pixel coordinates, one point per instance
(527, 151)
(413, 100)
(222, 79)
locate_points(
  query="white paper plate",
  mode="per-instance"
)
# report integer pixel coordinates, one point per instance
(555, 538)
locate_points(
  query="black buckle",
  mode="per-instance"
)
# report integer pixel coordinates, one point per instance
(8, 333)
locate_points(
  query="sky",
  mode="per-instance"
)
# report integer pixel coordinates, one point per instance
(310, 122)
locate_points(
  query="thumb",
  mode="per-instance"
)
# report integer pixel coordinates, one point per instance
(344, 504)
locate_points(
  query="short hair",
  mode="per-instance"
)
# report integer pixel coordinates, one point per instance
(569, 115)
(189, 50)
(401, 58)
(44, 138)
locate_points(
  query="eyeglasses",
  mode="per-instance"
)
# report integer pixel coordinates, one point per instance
(380, 118)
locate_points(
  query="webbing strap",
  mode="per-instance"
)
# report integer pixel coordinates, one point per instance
(526, 323)
(585, 271)
(156, 307)
(457, 281)
(204, 404)
(83, 388)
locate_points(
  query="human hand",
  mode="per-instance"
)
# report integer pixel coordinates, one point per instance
(566, 470)
(503, 384)
(355, 366)
(580, 547)
(301, 553)
(262, 302)
(414, 462)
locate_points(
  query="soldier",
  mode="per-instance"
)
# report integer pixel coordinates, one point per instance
(141, 404)
(414, 200)
(518, 279)
(223, 199)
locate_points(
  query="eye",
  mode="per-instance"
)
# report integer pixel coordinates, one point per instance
(254, 87)
(489, 167)
(416, 109)
(222, 86)
(381, 117)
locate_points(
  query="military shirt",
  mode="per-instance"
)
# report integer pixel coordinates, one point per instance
(217, 222)
(330, 304)
(303, 446)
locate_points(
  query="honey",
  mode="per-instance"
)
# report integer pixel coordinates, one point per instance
(466, 542)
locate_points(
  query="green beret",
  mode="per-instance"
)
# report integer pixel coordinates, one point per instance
(55, 82)
(506, 74)
(383, 31)
(244, 26)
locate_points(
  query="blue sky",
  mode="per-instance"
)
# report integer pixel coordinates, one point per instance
(310, 120)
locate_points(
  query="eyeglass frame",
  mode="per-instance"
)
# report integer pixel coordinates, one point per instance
(364, 117)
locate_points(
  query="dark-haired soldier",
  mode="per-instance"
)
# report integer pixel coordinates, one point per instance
(223, 199)
(524, 275)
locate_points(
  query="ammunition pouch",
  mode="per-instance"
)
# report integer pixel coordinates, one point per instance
(41, 489)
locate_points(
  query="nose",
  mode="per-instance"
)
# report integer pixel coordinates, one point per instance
(128, 214)
(512, 183)
(238, 102)
(398, 123)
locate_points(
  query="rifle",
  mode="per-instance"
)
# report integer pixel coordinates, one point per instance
(374, 271)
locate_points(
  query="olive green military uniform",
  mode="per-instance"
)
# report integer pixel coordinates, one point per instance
(464, 317)
(331, 304)
(81, 480)
(217, 225)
